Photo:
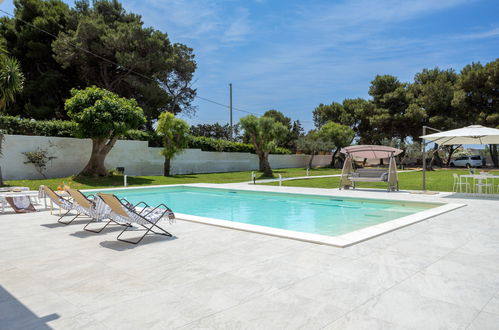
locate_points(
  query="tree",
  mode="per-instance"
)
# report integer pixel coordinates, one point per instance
(175, 135)
(390, 98)
(312, 144)
(294, 135)
(263, 132)
(294, 129)
(11, 79)
(149, 68)
(432, 92)
(339, 136)
(366, 120)
(102, 116)
(216, 131)
(47, 83)
(333, 112)
(477, 97)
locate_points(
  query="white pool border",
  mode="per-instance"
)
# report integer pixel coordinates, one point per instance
(343, 240)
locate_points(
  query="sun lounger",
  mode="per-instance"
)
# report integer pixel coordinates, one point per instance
(64, 204)
(147, 217)
(94, 207)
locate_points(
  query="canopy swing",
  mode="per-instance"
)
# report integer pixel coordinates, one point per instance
(349, 175)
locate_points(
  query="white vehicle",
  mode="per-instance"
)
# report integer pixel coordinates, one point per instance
(468, 161)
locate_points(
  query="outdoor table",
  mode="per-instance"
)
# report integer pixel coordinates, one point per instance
(478, 177)
(28, 194)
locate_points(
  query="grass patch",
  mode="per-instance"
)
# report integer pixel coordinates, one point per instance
(439, 180)
(117, 181)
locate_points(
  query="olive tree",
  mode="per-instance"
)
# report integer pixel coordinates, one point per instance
(175, 135)
(103, 117)
(338, 135)
(312, 144)
(263, 132)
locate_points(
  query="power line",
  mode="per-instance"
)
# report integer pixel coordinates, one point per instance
(119, 66)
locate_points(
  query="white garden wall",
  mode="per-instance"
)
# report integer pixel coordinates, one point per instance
(137, 158)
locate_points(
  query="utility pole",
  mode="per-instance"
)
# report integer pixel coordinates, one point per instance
(230, 108)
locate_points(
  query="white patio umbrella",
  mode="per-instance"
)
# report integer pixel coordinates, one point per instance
(474, 134)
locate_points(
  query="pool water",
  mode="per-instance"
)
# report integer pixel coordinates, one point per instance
(324, 215)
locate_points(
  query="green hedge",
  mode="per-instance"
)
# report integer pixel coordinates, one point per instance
(61, 128)
(211, 144)
(23, 126)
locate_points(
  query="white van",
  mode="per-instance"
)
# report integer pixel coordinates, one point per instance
(469, 161)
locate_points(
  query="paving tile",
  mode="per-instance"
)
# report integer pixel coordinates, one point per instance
(343, 293)
(485, 321)
(459, 269)
(414, 311)
(413, 262)
(279, 310)
(358, 321)
(221, 291)
(493, 305)
(160, 310)
(364, 271)
(410, 247)
(316, 261)
(34, 311)
(453, 291)
(274, 274)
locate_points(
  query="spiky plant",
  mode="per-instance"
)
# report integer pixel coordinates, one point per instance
(11, 78)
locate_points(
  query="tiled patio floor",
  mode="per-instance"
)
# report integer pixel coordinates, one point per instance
(441, 273)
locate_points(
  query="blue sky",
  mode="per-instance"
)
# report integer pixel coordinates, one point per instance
(293, 55)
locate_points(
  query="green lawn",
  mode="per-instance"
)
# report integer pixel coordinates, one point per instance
(439, 180)
(117, 181)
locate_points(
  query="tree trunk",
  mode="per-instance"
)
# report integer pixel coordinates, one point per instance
(493, 154)
(435, 158)
(311, 160)
(451, 152)
(264, 164)
(100, 149)
(1, 177)
(167, 167)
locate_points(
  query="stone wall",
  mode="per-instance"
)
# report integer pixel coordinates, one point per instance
(137, 158)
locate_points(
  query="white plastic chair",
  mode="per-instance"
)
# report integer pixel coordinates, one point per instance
(458, 184)
(482, 187)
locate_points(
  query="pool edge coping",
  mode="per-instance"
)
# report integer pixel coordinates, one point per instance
(341, 241)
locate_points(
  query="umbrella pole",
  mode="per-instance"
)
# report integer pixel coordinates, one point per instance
(424, 158)
(423, 147)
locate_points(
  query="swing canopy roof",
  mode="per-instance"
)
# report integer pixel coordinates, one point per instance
(371, 151)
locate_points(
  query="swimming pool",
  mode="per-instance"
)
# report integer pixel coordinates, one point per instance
(303, 213)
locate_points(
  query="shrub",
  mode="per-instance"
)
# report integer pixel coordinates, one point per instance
(211, 144)
(24, 126)
(39, 158)
(60, 128)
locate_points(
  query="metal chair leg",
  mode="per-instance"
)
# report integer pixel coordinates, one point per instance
(131, 242)
(62, 216)
(95, 231)
(148, 229)
(67, 223)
